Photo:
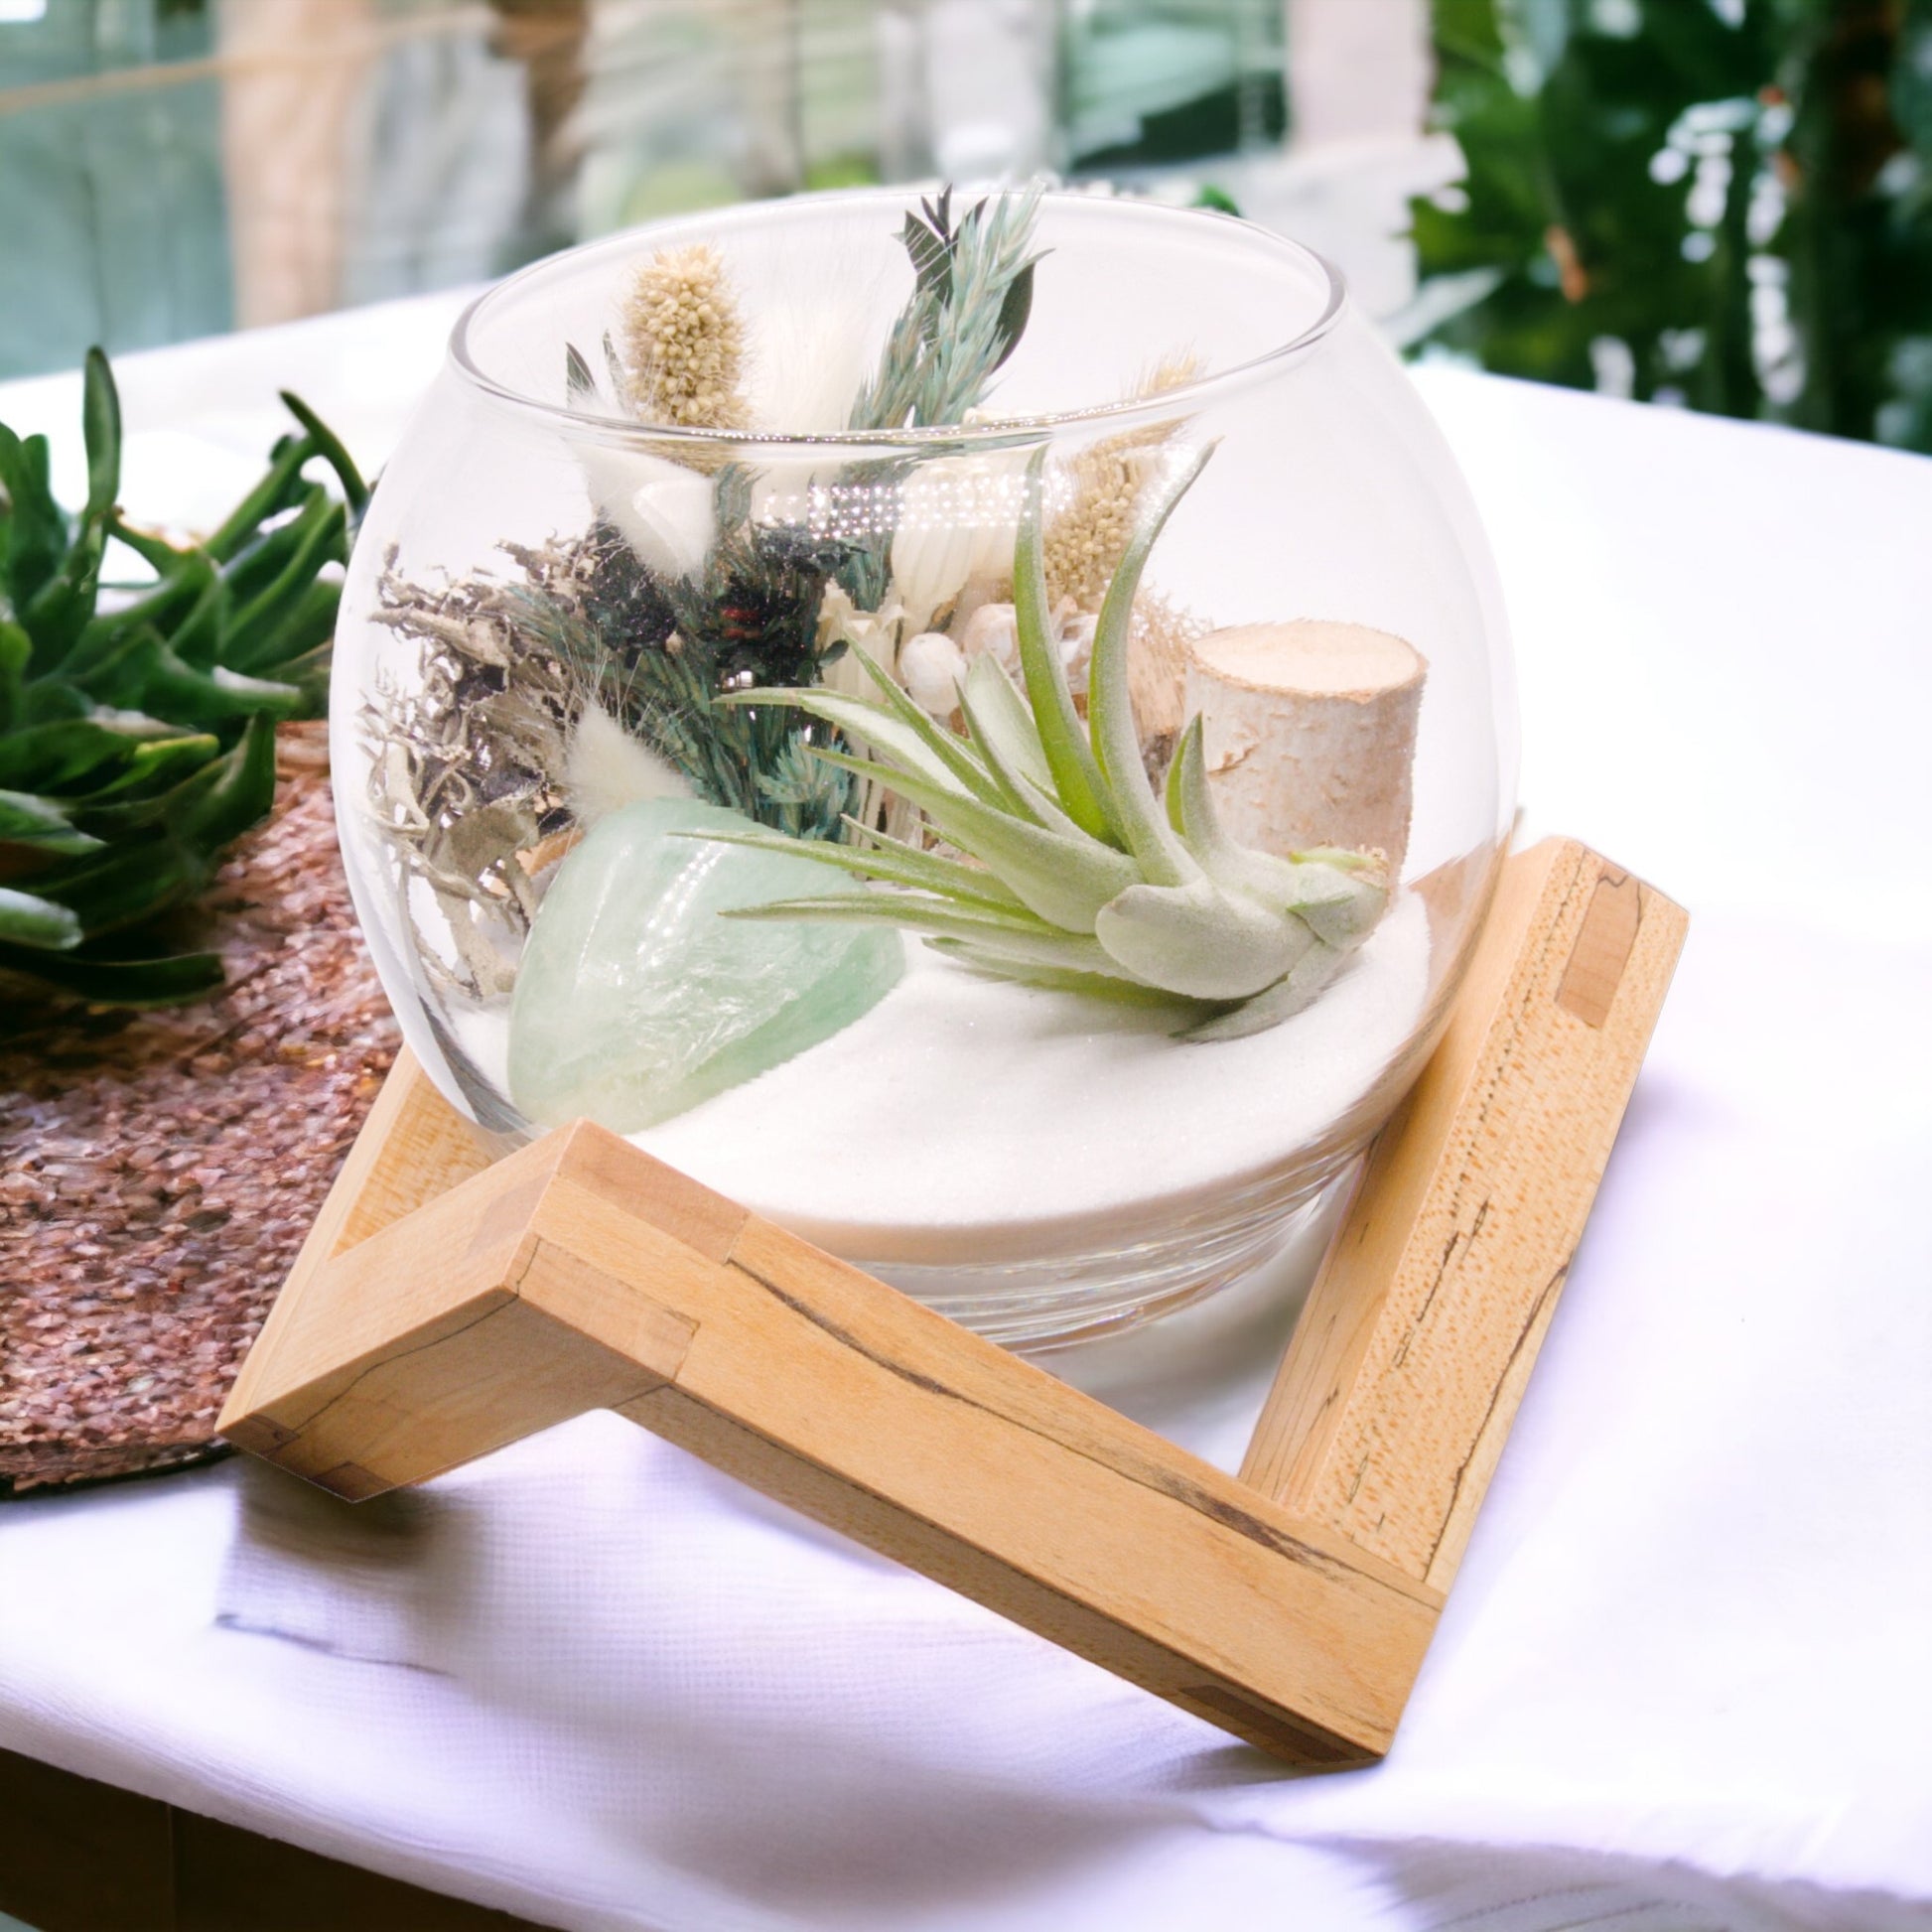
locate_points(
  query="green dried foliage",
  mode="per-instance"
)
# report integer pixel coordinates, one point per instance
(468, 762)
(1730, 207)
(972, 293)
(1087, 881)
(138, 740)
(658, 653)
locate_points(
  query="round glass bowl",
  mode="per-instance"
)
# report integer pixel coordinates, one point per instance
(1025, 843)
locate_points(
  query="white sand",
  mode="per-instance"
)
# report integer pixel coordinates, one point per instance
(966, 1118)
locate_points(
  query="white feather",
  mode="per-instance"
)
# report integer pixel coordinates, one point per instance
(605, 768)
(663, 510)
(809, 352)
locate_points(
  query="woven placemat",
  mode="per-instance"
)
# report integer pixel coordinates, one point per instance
(158, 1171)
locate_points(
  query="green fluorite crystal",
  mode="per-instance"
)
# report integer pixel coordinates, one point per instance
(635, 1000)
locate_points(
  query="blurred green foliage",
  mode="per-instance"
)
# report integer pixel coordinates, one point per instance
(113, 220)
(1723, 202)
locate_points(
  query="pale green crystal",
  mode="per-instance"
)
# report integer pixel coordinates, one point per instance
(636, 1001)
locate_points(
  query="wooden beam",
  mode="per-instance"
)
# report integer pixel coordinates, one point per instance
(1391, 1408)
(1292, 1608)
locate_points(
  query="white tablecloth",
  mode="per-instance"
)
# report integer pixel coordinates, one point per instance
(1683, 1682)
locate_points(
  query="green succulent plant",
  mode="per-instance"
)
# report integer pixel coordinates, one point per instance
(1087, 879)
(137, 740)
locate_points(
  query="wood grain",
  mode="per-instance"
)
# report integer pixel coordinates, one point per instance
(444, 1308)
(580, 1273)
(1391, 1406)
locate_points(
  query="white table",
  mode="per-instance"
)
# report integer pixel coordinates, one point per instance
(1684, 1680)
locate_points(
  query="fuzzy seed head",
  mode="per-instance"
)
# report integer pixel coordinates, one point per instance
(684, 341)
(1106, 481)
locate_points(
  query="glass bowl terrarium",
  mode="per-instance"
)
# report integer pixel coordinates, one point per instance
(979, 730)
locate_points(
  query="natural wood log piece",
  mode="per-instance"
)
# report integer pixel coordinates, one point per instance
(1310, 734)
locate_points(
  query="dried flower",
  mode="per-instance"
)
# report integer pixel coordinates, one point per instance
(663, 510)
(607, 767)
(683, 342)
(808, 350)
(1156, 668)
(842, 623)
(1104, 487)
(973, 291)
(957, 519)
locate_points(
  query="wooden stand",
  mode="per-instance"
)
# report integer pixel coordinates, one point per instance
(444, 1307)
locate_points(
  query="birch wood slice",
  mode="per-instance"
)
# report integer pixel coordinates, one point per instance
(159, 1171)
(1310, 734)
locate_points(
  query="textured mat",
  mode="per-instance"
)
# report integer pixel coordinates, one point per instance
(158, 1171)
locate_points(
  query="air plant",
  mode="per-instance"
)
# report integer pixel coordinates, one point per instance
(1086, 878)
(137, 736)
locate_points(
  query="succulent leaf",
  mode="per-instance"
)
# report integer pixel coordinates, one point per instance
(1069, 755)
(151, 767)
(100, 429)
(27, 819)
(112, 888)
(36, 525)
(1066, 880)
(242, 793)
(136, 743)
(889, 861)
(49, 757)
(16, 648)
(1110, 706)
(176, 600)
(162, 982)
(26, 919)
(1198, 940)
(328, 445)
(318, 535)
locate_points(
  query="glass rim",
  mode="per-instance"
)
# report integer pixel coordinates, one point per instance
(1197, 391)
